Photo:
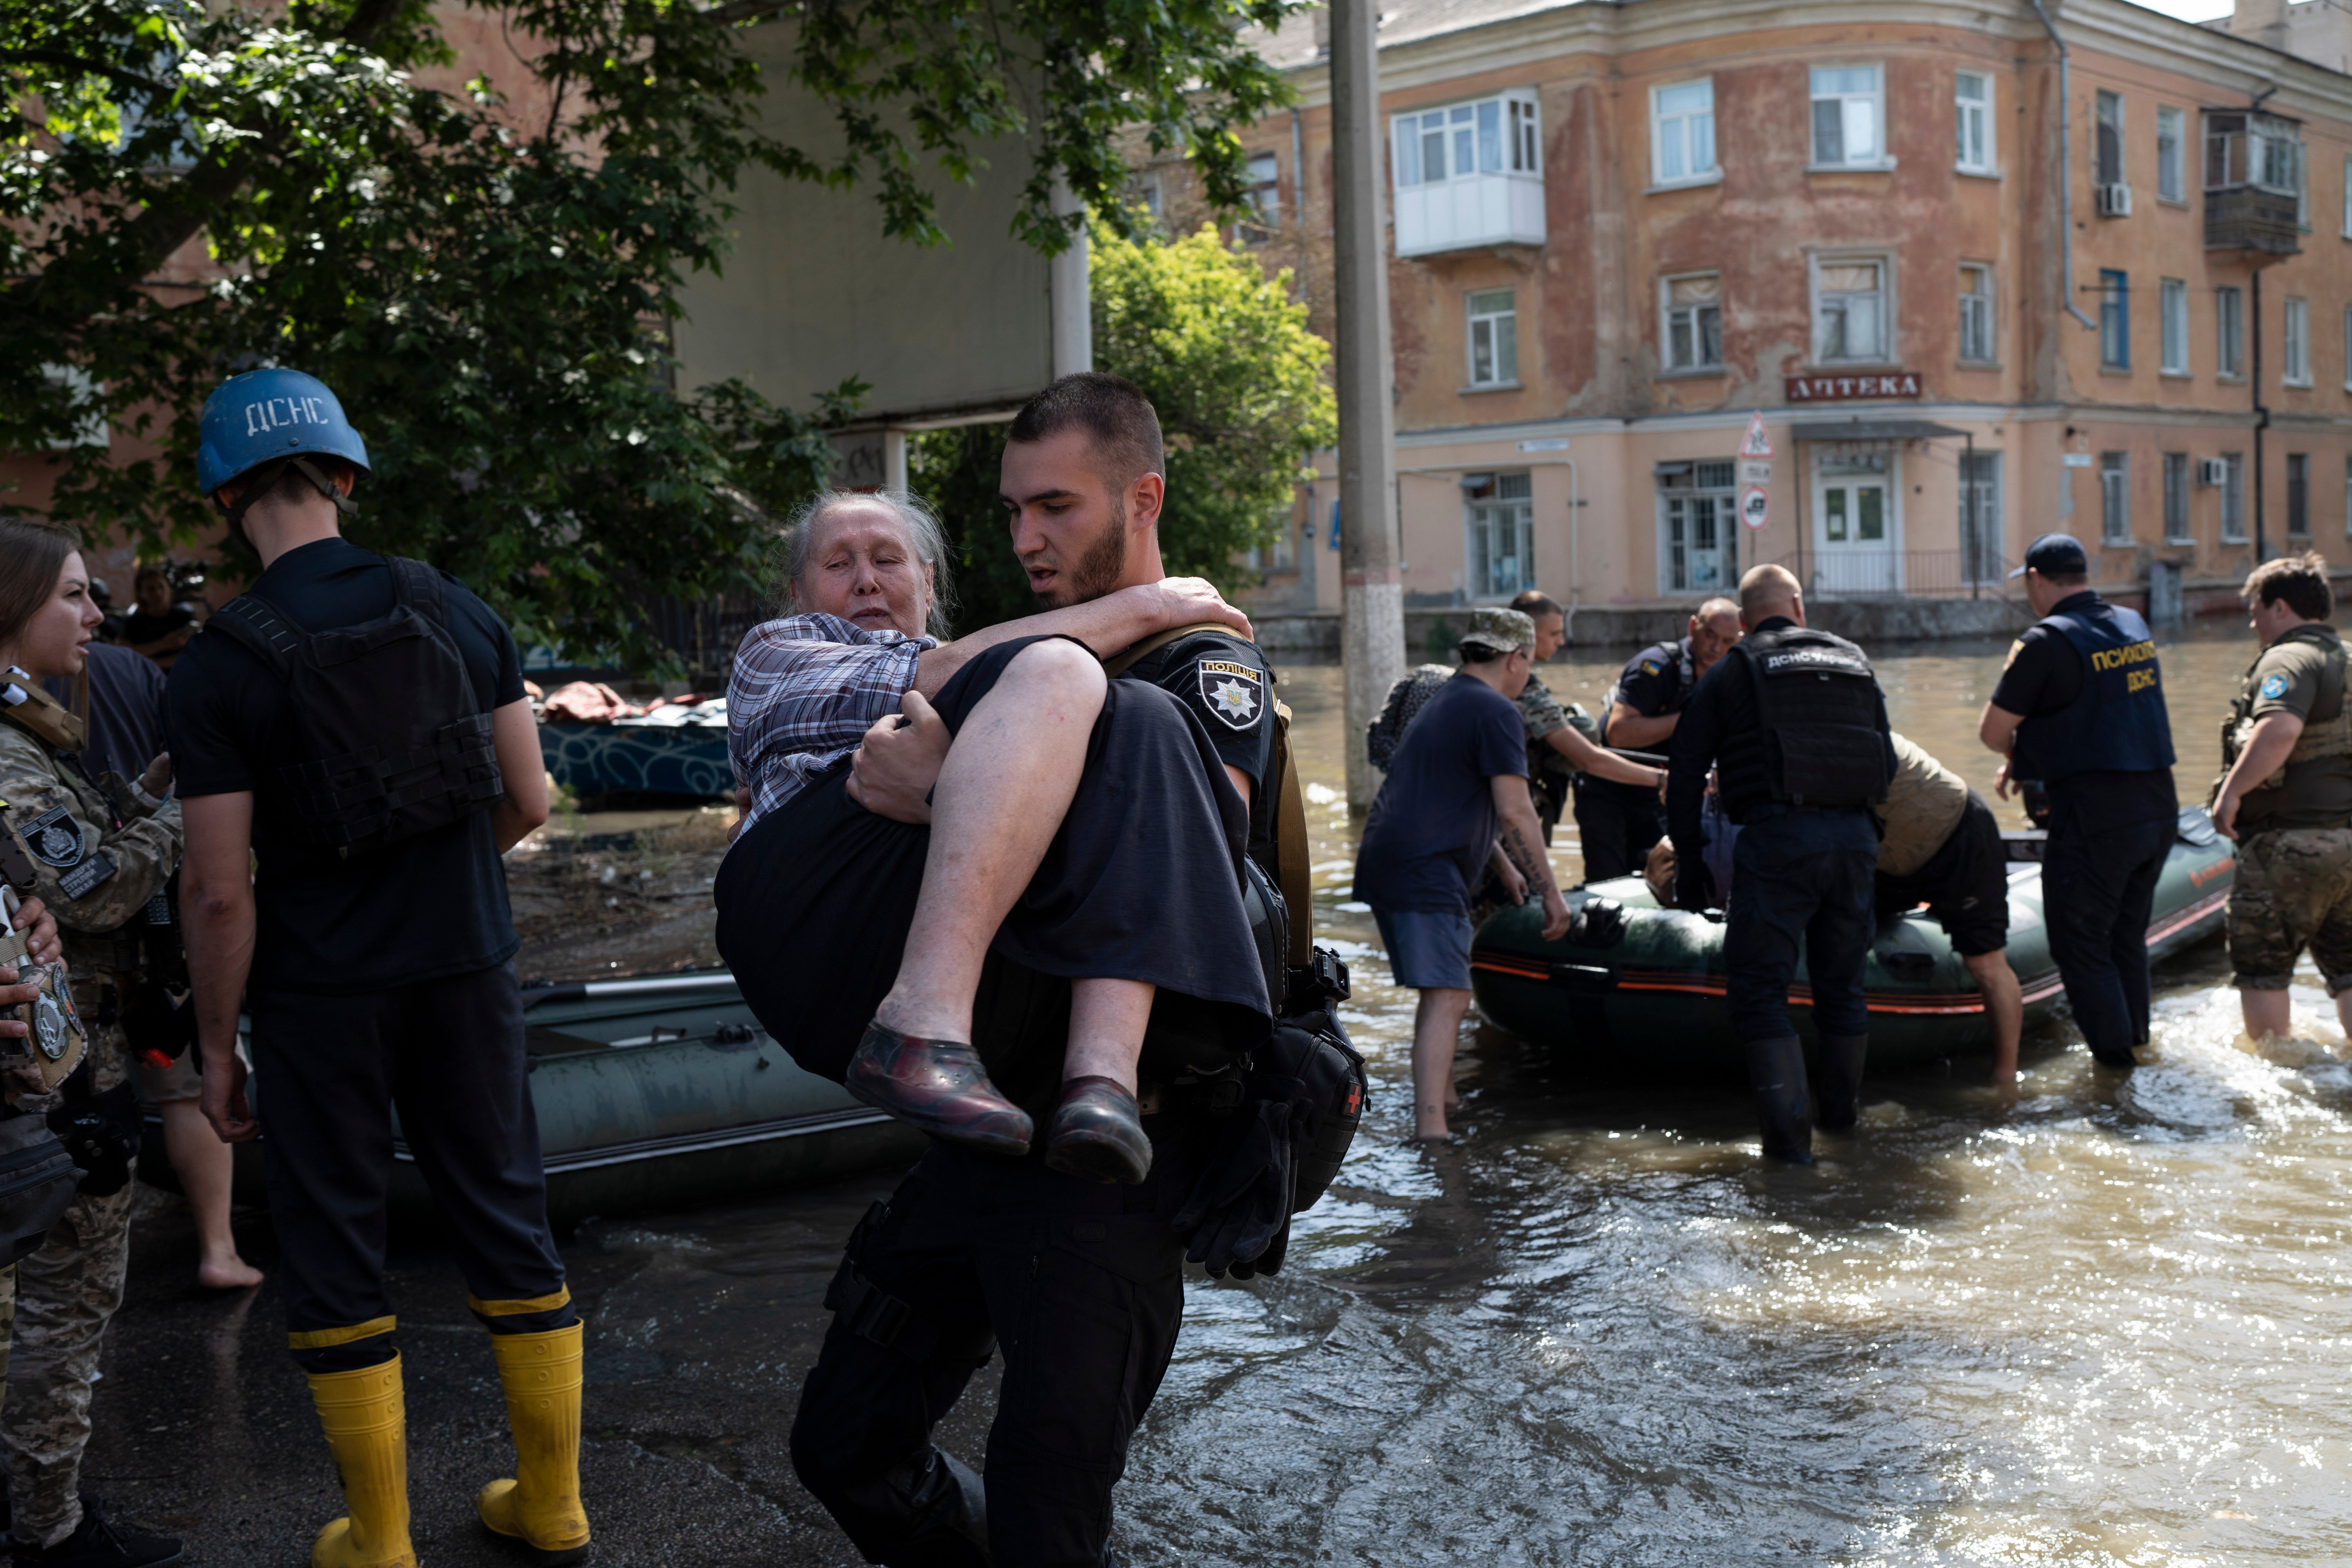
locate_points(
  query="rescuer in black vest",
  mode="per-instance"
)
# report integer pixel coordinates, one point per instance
(2080, 712)
(1794, 726)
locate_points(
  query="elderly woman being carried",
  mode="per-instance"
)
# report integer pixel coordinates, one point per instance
(1079, 826)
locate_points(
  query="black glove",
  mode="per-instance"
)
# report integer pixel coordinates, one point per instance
(1241, 1204)
(1693, 884)
(103, 1135)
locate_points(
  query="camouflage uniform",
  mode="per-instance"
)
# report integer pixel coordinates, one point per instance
(95, 878)
(2293, 883)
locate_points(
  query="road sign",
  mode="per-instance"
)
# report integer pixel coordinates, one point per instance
(1753, 472)
(1754, 508)
(1756, 444)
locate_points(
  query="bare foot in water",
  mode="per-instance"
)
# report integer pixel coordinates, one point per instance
(230, 1273)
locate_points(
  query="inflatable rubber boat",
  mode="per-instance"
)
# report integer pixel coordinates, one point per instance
(653, 1095)
(1651, 1000)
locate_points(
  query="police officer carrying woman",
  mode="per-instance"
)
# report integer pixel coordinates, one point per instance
(1795, 726)
(100, 854)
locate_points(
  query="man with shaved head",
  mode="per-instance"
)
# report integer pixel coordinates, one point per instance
(1794, 727)
(1617, 823)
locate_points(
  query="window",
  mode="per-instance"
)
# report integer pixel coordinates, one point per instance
(2230, 333)
(2171, 155)
(1493, 339)
(2172, 302)
(2114, 321)
(1973, 123)
(2298, 494)
(2176, 498)
(1147, 192)
(1849, 311)
(2233, 498)
(2107, 139)
(1694, 326)
(1502, 534)
(1492, 137)
(2348, 198)
(2253, 150)
(1980, 529)
(1263, 200)
(2347, 497)
(1976, 312)
(2295, 370)
(2115, 498)
(1697, 541)
(2348, 348)
(1682, 132)
(1847, 115)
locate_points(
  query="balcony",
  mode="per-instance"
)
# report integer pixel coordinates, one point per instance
(2251, 218)
(1469, 211)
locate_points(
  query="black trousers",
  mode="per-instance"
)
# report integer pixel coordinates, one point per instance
(1081, 1286)
(1801, 881)
(329, 1070)
(1615, 825)
(2097, 889)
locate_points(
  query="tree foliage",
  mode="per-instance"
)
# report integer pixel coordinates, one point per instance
(1242, 394)
(491, 290)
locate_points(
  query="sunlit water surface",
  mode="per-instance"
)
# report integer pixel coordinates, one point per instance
(2103, 1323)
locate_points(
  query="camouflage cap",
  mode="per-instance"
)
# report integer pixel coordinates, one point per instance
(1498, 630)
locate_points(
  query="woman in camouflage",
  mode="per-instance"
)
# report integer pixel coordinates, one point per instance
(102, 851)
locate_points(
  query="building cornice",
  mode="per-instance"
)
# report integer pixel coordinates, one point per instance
(1737, 419)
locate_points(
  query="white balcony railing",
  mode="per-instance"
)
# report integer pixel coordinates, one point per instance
(1470, 210)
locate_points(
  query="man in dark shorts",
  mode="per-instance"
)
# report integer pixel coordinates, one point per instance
(1616, 824)
(1080, 1286)
(2080, 712)
(1941, 845)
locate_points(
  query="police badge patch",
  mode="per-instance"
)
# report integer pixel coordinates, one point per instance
(1233, 691)
(55, 838)
(2273, 688)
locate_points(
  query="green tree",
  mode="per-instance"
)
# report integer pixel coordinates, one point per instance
(1244, 396)
(491, 289)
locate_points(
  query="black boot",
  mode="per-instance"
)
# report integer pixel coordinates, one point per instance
(1840, 1087)
(1776, 1072)
(936, 1508)
(98, 1544)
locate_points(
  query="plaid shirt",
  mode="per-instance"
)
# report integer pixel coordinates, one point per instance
(804, 692)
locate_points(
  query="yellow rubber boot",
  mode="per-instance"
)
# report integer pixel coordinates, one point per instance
(541, 1507)
(367, 1431)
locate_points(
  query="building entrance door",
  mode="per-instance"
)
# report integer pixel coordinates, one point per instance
(1855, 534)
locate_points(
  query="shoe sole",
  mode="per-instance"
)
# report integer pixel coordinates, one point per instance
(541, 1555)
(1092, 1159)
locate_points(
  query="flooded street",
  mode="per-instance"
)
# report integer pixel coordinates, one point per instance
(2103, 1323)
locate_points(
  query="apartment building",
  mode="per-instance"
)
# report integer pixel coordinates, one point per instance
(1970, 291)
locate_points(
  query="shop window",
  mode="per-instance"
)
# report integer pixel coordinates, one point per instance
(1698, 536)
(1501, 557)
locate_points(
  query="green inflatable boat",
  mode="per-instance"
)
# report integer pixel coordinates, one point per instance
(1652, 1002)
(654, 1095)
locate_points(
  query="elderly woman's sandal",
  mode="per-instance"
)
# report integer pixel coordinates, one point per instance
(1097, 1133)
(939, 1087)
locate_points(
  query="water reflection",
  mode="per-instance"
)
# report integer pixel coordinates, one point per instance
(2101, 1324)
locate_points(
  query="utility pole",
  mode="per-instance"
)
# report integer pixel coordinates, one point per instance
(1372, 589)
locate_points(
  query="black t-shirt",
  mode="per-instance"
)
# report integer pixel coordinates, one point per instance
(2044, 676)
(141, 628)
(1433, 826)
(1229, 687)
(126, 711)
(1655, 681)
(426, 907)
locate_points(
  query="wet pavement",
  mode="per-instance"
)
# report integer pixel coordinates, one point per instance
(2099, 1322)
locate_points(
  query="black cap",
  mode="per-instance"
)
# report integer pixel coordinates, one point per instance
(2055, 555)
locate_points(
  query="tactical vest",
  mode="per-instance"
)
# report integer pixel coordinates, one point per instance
(1815, 739)
(1292, 877)
(2118, 724)
(2326, 731)
(394, 742)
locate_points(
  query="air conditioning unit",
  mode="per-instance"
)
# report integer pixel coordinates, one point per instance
(2213, 472)
(2115, 201)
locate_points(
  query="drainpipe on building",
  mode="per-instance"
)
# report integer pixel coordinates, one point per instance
(2066, 172)
(2261, 422)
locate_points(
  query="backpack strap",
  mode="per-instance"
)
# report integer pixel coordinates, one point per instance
(1290, 846)
(418, 586)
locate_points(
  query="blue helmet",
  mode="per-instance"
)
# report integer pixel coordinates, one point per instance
(264, 415)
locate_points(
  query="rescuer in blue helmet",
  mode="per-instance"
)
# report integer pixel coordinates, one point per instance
(268, 426)
(360, 720)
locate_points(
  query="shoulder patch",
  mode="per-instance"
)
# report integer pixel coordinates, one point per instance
(2273, 688)
(1232, 691)
(55, 838)
(1651, 667)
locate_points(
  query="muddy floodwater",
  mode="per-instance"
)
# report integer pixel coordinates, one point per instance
(2103, 1323)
